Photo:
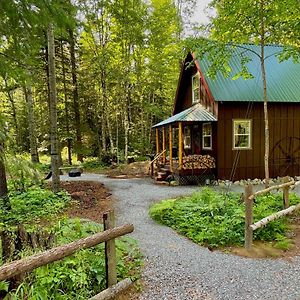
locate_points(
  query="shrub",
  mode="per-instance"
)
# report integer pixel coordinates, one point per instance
(30, 206)
(216, 219)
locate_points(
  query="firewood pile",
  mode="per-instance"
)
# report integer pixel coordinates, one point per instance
(198, 162)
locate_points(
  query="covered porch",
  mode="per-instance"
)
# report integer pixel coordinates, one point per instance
(186, 146)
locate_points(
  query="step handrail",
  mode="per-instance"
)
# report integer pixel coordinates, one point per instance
(157, 156)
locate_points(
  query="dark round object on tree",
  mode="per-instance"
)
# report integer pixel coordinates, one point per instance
(75, 173)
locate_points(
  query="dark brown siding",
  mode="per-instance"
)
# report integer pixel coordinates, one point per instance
(184, 93)
(284, 120)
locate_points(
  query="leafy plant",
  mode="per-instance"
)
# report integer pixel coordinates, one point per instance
(217, 219)
(31, 206)
(22, 173)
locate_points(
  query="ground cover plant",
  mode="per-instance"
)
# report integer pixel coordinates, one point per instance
(216, 219)
(33, 219)
(81, 275)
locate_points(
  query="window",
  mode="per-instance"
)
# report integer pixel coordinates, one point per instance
(241, 134)
(196, 88)
(206, 136)
(187, 137)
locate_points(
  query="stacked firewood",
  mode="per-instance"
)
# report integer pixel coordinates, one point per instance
(198, 162)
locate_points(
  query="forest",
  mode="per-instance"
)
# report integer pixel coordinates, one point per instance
(116, 66)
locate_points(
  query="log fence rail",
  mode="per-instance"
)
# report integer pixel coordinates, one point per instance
(27, 264)
(249, 197)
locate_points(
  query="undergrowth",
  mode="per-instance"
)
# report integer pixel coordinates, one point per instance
(81, 275)
(216, 219)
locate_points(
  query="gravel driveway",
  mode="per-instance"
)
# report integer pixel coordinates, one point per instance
(176, 268)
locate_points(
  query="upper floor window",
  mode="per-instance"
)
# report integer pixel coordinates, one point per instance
(196, 88)
(206, 136)
(242, 134)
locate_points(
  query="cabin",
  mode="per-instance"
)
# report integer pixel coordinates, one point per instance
(216, 130)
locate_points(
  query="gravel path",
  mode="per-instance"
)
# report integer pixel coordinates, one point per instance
(176, 268)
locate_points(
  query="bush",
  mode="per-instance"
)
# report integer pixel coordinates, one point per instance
(216, 219)
(81, 275)
(31, 206)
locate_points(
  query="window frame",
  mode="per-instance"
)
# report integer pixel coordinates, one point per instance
(249, 147)
(203, 136)
(197, 75)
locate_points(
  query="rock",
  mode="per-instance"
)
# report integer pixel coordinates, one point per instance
(76, 172)
(236, 183)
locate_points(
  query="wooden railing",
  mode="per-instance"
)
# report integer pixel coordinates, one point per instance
(249, 197)
(155, 159)
(108, 236)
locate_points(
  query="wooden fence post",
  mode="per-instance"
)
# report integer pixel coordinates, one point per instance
(286, 202)
(110, 251)
(248, 216)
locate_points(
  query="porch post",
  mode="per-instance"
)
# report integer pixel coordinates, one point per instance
(164, 144)
(157, 140)
(170, 148)
(180, 144)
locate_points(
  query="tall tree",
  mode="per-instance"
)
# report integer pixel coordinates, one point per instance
(31, 124)
(53, 111)
(75, 96)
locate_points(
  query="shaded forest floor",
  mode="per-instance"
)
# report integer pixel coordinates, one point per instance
(137, 169)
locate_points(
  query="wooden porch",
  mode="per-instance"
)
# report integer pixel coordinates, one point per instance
(180, 157)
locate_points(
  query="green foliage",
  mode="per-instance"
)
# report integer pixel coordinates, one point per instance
(22, 173)
(31, 206)
(217, 219)
(81, 275)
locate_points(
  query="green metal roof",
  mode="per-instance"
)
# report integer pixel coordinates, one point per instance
(283, 79)
(194, 113)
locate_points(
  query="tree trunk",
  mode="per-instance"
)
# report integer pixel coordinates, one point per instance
(265, 96)
(14, 110)
(75, 98)
(3, 182)
(126, 134)
(69, 145)
(53, 111)
(31, 124)
(5, 236)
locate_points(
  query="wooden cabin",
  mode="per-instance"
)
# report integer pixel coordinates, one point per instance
(217, 126)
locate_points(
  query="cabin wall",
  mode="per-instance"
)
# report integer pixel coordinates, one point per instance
(284, 124)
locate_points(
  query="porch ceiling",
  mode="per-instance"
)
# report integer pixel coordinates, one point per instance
(195, 113)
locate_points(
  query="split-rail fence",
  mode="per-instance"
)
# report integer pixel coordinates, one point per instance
(249, 197)
(27, 264)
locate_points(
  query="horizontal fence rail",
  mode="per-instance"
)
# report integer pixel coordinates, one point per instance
(249, 197)
(17, 267)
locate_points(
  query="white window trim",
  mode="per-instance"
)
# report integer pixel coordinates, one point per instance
(249, 134)
(203, 136)
(193, 95)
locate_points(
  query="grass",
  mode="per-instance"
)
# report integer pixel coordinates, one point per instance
(215, 219)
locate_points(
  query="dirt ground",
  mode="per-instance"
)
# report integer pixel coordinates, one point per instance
(89, 199)
(134, 170)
